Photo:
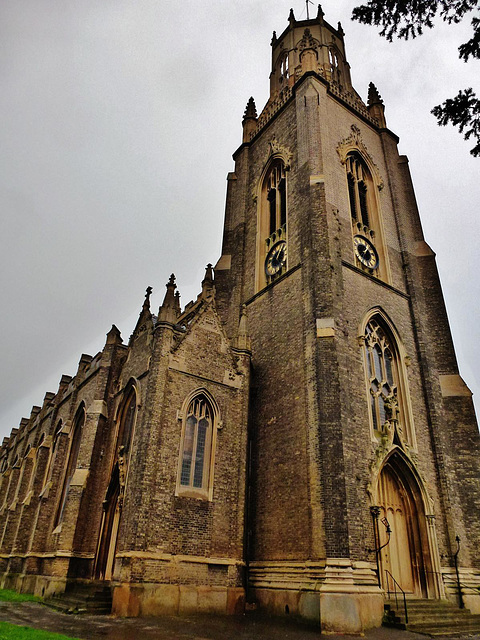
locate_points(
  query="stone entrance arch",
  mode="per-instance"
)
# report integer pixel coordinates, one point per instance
(411, 556)
(105, 558)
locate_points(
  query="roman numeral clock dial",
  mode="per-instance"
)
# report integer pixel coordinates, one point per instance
(365, 252)
(276, 259)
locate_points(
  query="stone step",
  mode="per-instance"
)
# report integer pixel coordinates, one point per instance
(83, 598)
(445, 629)
(431, 617)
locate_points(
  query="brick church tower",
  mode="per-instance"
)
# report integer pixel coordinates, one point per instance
(299, 436)
(359, 420)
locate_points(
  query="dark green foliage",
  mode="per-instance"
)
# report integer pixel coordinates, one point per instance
(407, 19)
(463, 111)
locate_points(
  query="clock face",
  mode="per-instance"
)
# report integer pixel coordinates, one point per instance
(365, 252)
(276, 258)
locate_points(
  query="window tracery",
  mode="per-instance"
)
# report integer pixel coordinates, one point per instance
(360, 185)
(197, 447)
(368, 248)
(387, 386)
(272, 254)
(380, 368)
(127, 422)
(71, 464)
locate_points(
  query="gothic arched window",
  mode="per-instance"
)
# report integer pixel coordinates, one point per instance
(360, 185)
(284, 69)
(387, 385)
(272, 252)
(51, 457)
(127, 422)
(275, 188)
(369, 252)
(196, 450)
(71, 463)
(381, 370)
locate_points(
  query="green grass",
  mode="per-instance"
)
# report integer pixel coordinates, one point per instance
(13, 632)
(7, 595)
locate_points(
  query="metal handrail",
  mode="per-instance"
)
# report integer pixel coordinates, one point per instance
(395, 592)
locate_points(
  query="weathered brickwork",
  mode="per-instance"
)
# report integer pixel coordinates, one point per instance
(320, 363)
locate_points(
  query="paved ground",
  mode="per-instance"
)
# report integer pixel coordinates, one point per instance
(249, 627)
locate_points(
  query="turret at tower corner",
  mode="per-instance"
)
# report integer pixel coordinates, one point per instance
(298, 439)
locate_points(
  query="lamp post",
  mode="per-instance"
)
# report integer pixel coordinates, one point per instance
(375, 513)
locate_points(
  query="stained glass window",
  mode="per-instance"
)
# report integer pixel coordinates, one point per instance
(196, 446)
(381, 372)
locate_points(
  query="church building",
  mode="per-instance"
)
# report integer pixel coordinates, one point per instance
(298, 439)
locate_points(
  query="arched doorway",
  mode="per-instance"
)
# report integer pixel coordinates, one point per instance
(109, 529)
(407, 557)
(113, 503)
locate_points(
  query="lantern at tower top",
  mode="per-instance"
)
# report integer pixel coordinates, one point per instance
(306, 46)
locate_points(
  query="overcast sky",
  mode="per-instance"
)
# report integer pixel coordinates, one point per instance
(118, 119)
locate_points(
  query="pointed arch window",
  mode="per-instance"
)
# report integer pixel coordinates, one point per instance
(127, 423)
(51, 459)
(113, 502)
(387, 385)
(272, 237)
(334, 57)
(284, 74)
(197, 448)
(71, 464)
(380, 366)
(368, 246)
(276, 196)
(360, 186)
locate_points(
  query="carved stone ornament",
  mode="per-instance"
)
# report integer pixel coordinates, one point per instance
(354, 142)
(380, 453)
(308, 41)
(276, 149)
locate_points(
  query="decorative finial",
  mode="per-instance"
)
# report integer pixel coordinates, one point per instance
(167, 312)
(209, 272)
(307, 41)
(148, 293)
(250, 110)
(340, 30)
(242, 325)
(207, 282)
(113, 336)
(320, 12)
(274, 39)
(376, 108)
(178, 307)
(373, 96)
(291, 17)
(242, 340)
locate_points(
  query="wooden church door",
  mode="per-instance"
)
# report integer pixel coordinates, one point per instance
(402, 556)
(109, 531)
(113, 503)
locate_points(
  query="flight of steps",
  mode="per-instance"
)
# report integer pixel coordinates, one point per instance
(93, 598)
(431, 617)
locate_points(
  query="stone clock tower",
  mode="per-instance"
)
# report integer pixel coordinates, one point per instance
(297, 437)
(362, 433)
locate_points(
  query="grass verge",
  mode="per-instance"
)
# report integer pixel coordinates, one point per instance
(14, 632)
(7, 595)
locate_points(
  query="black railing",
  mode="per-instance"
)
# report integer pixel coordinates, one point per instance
(459, 586)
(395, 585)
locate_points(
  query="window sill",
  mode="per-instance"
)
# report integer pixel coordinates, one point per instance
(268, 287)
(190, 492)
